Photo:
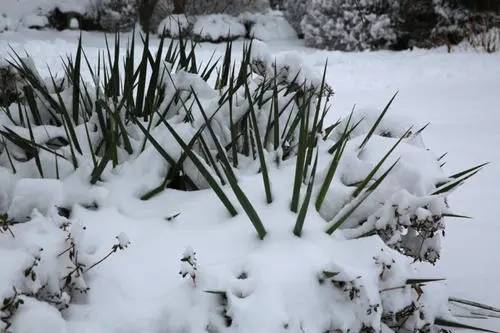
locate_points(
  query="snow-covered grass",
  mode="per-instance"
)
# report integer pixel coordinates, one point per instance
(455, 92)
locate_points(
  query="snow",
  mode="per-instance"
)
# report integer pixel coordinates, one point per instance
(35, 21)
(40, 194)
(461, 102)
(28, 13)
(268, 27)
(217, 27)
(123, 240)
(34, 315)
(173, 25)
(5, 23)
(73, 23)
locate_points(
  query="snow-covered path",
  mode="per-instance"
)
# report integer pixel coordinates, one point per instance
(458, 93)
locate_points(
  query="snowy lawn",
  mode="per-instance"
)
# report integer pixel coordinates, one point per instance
(458, 93)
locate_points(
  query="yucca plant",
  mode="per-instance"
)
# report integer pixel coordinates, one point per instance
(208, 122)
(284, 115)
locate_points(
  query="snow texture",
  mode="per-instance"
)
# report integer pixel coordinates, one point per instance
(218, 27)
(268, 26)
(174, 26)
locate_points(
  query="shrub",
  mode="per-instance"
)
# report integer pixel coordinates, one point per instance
(191, 126)
(487, 41)
(457, 23)
(217, 28)
(174, 25)
(295, 11)
(350, 25)
(117, 15)
(161, 9)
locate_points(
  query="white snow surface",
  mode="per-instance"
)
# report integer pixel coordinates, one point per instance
(173, 25)
(215, 27)
(140, 289)
(270, 26)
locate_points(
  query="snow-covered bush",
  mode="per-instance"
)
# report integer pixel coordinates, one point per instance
(350, 25)
(174, 25)
(452, 22)
(486, 41)
(295, 11)
(234, 7)
(117, 15)
(224, 27)
(48, 263)
(104, 15)
(269, 26)
(45, 14)
(456, 23)
(156, 11)
(35, 21)
(415, 23)
(153, 12)
(307, 226)
(217, 28)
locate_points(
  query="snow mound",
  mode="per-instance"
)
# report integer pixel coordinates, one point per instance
(174, 26)
(268, 27)
(217, 28)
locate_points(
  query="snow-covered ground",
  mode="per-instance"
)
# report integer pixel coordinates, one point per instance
(458, 93)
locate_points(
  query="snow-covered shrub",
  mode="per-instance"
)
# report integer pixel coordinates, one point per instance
(48, 13)
(156, 11)
(223, 27)
(350, 24)
(269, 26)
(234, 7)
(174, 25)
(117, 15)
(415, 23)
(49, 264)
(452, 22)
(341, 212)
(295, 11)
(486, 41)
(457, 23)
(35, 21)
(153, 12)
(217, 28)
